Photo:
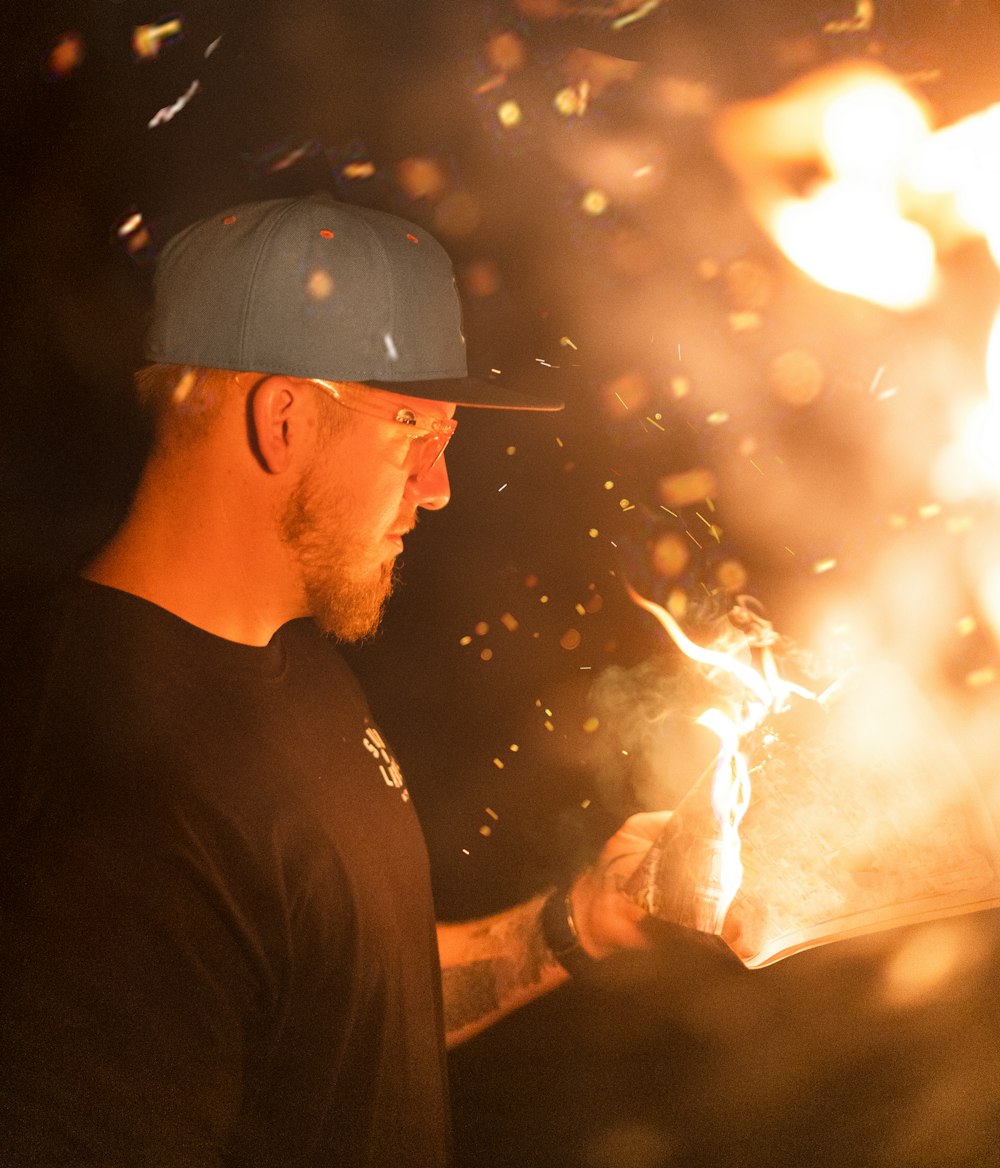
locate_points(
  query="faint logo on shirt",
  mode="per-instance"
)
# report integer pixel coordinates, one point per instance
(392, 776)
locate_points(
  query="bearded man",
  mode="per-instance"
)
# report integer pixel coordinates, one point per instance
(218, 938)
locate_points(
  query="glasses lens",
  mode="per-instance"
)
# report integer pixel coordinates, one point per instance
(428, 450)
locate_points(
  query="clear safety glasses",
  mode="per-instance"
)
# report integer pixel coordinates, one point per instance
(427, 437)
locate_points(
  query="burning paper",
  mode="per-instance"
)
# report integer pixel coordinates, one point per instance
(823, 818)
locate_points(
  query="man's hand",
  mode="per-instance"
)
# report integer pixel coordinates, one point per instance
(492, 966)
(606, 918)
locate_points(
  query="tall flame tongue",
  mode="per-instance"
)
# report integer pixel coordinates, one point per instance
(694, 871)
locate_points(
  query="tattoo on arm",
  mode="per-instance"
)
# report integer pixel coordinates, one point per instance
(507, 957)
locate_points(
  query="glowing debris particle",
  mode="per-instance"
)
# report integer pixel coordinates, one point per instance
(212, 47)
(861, 21)
(796, 377)
(466, 852)
(930, 510)
(593, 533)
(571, 639)
(656, 424)
(591, 725)
(182, 390)
(486, 655)
(580, 609)
(789, 550)
(511, 450)
(826, 565)
(746, 321)
(357, 170)
(559, 442)
(66, 56)
(713, 529)
(132, 223)
(594, 202)
(965, 626)
(717, 418)
(421, 178)
(548, 726)
(687, 487)
(548, 711)
(625, 504)
(981, 677)
(489, 810)
(670, 555)
(170, 111)
(320, 284)
(498, 763)
(326, 233)
(481, 628)
(543, 599)
(538, 703)
(148, 39)
(639, 13)
(481, 279)
(131, 230)
(514, 748)
(692, 539)
(509, 114)
(490, 84)
(584, 803)
(466, 640)
(609, 485)
(677, 603)
(731, 575)
(572, 100)
(505, 51)
(680, 387)
(229, 221)
(567, 343)
(499, 489)
(509, 622)
(486, 831)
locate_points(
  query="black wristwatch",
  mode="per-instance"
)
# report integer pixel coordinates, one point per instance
(559, 932)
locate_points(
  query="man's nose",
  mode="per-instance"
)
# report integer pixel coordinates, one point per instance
(430, 490)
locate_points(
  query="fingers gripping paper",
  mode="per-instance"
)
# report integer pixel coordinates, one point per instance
(862, 816)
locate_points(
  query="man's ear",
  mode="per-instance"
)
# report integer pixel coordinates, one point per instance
(278, 421)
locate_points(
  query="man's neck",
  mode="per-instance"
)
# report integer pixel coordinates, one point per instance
(214, 561)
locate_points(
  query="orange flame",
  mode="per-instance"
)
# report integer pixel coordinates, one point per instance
(731, 786)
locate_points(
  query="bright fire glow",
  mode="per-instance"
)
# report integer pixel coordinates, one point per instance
(767, 692)
(845, 171)
(847, 175)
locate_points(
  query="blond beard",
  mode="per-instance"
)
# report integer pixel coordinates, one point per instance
(342, 604)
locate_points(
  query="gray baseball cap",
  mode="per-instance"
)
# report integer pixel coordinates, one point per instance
(312, 287)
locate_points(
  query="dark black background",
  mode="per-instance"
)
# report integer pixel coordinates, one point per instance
(679, 1056)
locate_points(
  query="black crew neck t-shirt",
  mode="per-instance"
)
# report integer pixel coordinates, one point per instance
(217, 939)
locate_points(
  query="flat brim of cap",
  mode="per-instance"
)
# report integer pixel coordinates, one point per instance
(470, 391)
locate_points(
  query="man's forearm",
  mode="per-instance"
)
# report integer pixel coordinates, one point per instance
(492, 966)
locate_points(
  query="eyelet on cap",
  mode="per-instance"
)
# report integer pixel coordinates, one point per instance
(326, 233)
(412, 238)
(228, 219)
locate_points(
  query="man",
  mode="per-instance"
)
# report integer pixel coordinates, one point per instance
(218, 937)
